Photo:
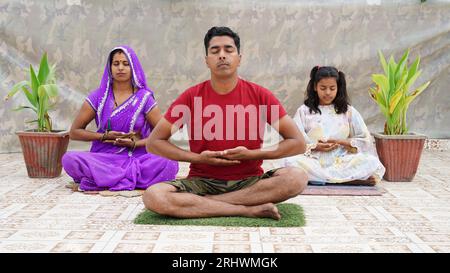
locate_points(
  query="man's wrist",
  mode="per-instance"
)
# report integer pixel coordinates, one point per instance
(194, 158)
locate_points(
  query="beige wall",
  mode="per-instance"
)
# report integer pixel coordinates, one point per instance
(281, 42)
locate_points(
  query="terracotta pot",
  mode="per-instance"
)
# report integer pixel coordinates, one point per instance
(400, 155)
(43, 152)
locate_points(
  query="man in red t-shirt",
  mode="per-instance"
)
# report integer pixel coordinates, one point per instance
(225, 118)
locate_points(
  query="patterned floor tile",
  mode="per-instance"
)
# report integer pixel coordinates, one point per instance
(329, 231)
(25, 246)
(287, 231)
(397, 248)
(39, 235)
(69, 214)
(434, 238)
(27, 214)
(377, 239)
(112, 207)
(398, 209)
(170, 236)
(188, 247)
(341, 248)
(245, 237)
(134, 248)
(105, 214)
(72, 247)
(374, 231)
(441, 248)
(85, 235)
(41, 215)
(152, 236)
(232, 248)
(41, 207)
(409, 217)
(289, 248)
(5, 234)
(365, 216)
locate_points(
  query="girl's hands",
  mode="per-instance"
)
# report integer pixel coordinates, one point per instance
(331, 144)
(325, 146)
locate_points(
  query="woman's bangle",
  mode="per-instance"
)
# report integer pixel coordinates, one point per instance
(134, 145)
(105, 134)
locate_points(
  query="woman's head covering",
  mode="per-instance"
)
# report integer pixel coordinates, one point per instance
(138, 76)
(138, 79)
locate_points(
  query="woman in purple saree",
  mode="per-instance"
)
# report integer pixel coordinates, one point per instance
(125, 112)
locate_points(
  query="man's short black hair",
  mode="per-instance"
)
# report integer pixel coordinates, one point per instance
(222, 31)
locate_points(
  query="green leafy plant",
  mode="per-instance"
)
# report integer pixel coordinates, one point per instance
(392, 91)
(41, 90)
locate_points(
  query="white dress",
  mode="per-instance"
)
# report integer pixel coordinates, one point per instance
(338, 165)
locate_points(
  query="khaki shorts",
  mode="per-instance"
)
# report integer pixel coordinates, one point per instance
(210, 186)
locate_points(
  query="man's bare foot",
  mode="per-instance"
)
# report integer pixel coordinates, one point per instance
(268, 210)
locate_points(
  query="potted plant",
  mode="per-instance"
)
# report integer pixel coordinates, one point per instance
(42, 147)
(398, 149)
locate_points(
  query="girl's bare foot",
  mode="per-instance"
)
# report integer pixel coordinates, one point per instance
(371, 181)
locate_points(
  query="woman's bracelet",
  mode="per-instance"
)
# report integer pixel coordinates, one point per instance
(104, 136)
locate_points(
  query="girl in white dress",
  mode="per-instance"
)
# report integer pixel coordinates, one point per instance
(339, 145)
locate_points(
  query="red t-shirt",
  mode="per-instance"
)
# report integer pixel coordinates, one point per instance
(218, 122)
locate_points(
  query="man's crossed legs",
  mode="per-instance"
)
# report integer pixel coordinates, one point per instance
(252, 197)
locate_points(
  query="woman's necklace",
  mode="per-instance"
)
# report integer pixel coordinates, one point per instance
(115, 102)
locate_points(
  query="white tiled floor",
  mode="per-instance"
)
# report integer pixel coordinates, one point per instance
(41, 215)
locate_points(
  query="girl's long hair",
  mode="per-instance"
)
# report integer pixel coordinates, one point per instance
(341, 101)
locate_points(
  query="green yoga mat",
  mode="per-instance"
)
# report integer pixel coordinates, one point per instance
(291, 216)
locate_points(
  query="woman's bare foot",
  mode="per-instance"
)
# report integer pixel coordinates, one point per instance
(268, 210)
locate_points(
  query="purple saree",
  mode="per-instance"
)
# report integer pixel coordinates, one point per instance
(115, 168)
